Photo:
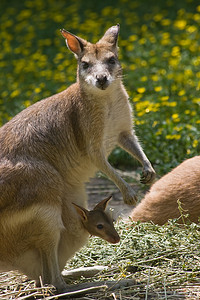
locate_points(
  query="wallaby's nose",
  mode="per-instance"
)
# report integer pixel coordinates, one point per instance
(102, 81)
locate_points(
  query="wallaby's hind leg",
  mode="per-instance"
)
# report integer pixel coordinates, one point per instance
(50, 269)
(43, 238)
(48, 248)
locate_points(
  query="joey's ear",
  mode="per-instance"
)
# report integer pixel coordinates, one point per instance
(74, 43)
(103, 204)
(111, 35)
(83, 213)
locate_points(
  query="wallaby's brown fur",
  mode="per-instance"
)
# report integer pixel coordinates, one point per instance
(181, 184)
(49, 150)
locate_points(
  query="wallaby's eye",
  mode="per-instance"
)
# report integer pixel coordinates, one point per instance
(85, 65)
(112, 60)
(100, 226)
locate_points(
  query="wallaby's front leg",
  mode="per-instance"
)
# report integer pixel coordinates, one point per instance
(103, 165)
(129, 142)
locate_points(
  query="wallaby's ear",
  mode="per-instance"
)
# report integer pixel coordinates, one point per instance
(74, 43)
(83, 212)
(103, 204)
(111, 35)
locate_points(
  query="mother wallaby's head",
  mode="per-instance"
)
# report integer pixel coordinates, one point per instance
(98, 64)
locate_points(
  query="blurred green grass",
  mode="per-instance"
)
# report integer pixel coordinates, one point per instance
(160, 54)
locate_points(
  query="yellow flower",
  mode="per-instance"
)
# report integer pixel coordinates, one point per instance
(188, 72)
(140, 114)
(178, 128)
(181, 93)
(175, 51)
(184, 42)
(172, 104)
(159, 131)
(197, 61)
(173, 62)
(188, 126)
(165, 42)
(137, 97)
(133, 38)
(191, 29)
(175, 118)
(177, 136)
(187, 111)
(166, 22)
(158, 88)
(195, 143)
(37, 90)
(142, 41)
(173, 136)
(27, 103)
(180, 24)
(15, 93)
(144, 78)
(137, 122)
(164, 98)
(141, 90)
(129, 47)
(158, 17)
(155, 77)
(132, 67)
(197, 17)
(196, 100)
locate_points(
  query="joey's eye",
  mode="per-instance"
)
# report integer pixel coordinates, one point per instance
(112, 60)
(100, 226)
(85, 65)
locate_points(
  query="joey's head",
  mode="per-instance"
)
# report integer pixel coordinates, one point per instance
(97, 222)
(98, 64)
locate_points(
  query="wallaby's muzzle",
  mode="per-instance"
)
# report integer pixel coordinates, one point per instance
(114, 239)
(102, 81)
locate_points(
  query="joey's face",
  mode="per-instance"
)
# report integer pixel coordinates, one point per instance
(101, 225)
(99, 67)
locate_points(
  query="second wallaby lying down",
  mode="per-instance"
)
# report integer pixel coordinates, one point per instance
(23, 246)
(181, 184)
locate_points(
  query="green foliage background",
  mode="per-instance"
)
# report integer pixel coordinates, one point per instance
(159, 50)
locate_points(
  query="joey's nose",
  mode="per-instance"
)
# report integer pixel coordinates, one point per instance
(102, 81)
(114, 239)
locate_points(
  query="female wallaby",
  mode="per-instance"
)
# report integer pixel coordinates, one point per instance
(49, 150)
(181, 184)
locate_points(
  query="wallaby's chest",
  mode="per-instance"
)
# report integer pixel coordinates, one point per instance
(117, 119)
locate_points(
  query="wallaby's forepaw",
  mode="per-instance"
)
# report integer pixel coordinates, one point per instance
(148, 175)
(130, 197)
